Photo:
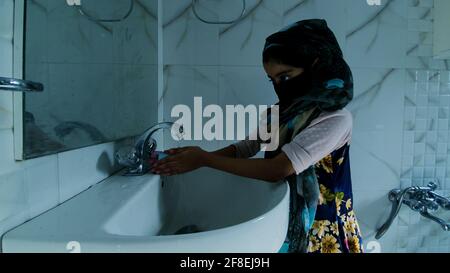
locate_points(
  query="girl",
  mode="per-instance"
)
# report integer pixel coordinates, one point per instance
(313, 84)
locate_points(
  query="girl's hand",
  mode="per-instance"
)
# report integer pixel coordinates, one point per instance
(180, 160)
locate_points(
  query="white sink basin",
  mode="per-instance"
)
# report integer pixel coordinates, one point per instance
(143, 214)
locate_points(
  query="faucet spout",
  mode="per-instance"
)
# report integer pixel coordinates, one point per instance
(425, 213)
(138, 159)
(146, 138)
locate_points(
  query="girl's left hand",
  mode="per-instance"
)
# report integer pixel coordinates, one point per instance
(180, 160)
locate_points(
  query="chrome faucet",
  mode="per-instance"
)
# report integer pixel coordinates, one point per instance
(17, 85)
(421, 199)
(137, 160)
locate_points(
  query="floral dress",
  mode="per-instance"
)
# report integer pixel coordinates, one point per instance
(335, 229)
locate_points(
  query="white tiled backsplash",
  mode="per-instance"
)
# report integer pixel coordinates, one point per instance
(31, 187)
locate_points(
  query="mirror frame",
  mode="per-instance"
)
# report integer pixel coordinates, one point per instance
(18, 58)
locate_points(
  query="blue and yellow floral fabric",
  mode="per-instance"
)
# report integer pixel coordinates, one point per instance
(335, 229)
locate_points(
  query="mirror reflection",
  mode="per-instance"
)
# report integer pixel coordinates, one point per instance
(98, 65)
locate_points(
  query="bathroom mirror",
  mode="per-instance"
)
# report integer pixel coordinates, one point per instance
(98, 62)
(441, 37)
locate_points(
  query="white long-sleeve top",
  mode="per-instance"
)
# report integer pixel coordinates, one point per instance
(325, 134)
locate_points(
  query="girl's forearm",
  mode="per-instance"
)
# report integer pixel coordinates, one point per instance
(229, 151)
(270, 170)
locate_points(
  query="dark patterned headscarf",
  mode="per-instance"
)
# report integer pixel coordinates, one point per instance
(331, 89)
(299, 45)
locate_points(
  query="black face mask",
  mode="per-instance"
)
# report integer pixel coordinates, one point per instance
(289, 90)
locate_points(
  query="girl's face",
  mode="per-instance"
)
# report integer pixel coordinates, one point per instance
(278, 73)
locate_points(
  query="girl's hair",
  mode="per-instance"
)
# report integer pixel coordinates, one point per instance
(282, 54)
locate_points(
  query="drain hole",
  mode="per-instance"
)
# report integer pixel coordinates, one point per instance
(188, 229)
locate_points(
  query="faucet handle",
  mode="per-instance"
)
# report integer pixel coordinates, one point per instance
(432, 185)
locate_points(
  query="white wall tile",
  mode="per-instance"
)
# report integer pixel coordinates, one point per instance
(242, 43)
(372, 209)
(375, 161)
(182, 33)
(6, 7)
(378, 93)
(82, 168)
(182, 84)
(6, 110)
(135, 83)
(376, 35)
(245, 85)
(13, 200)
(41, 180)
(6, 47)
(7, 163)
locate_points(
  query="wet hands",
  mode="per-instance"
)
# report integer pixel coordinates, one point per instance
(180, 160)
